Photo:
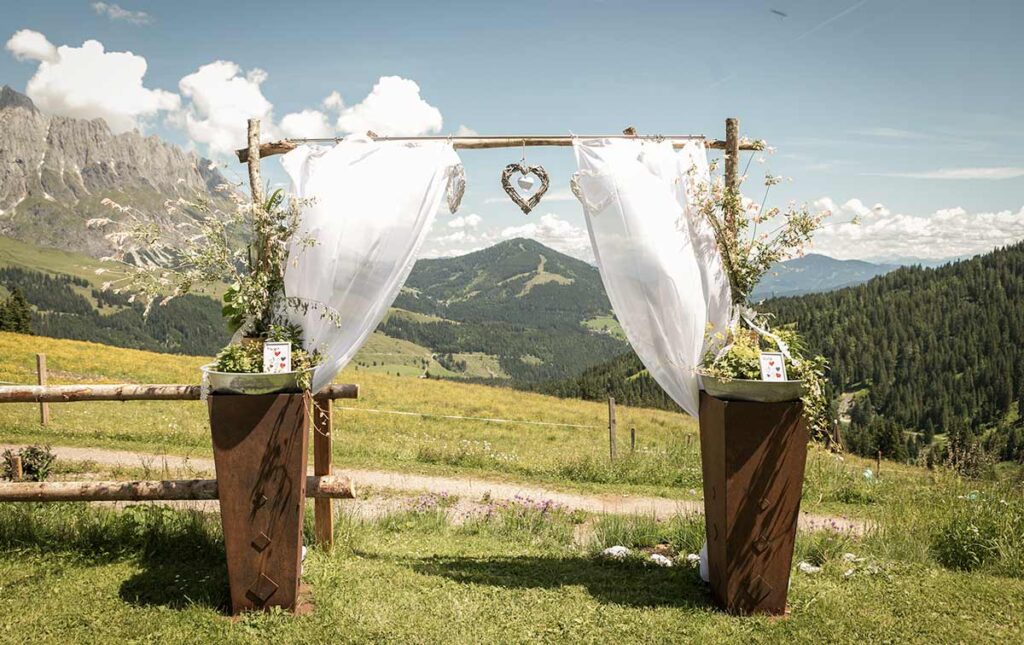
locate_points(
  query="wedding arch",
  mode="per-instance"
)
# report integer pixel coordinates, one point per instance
(663, 275)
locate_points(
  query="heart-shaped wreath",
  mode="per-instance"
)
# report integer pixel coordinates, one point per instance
(526, 205)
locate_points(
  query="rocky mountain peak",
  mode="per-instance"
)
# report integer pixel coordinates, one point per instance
(55, 171)
(9, 98)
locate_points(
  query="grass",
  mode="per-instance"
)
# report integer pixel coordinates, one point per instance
(606, 324)
(666, 462)
(47, 260)
(943, 561)
(514, 575)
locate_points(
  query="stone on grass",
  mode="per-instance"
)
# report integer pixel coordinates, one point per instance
(661, 560)
(807, 567)
(616, 552)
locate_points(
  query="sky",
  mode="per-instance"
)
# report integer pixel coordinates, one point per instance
(904, 113)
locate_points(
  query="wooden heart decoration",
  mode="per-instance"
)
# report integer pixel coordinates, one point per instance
(525, 205)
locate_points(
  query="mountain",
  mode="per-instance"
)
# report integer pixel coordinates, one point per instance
(55, 171)
(518, 280)
(525, 306)
(815, 273)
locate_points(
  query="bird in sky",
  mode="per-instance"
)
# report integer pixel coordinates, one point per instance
(779, 13)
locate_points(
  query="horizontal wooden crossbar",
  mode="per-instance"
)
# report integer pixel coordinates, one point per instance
(319, 487)
(128, 392)
(504, 141)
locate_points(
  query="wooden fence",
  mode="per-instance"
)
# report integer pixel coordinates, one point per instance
(322, 486)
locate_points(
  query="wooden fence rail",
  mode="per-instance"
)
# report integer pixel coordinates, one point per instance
(322, 487)
(126, 392)
(317, 487)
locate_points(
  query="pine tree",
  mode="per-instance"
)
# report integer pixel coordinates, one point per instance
(15, 313)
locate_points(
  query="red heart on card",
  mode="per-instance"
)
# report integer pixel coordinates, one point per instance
(771, 362)
(282, 365)
(277, 352)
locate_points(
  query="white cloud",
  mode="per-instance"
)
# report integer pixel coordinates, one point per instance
(462, 236)
(468, 221)
(459, 242)
(465, 131)
(88, 82)
(333, 101)
(883, 235)
(394, 107)
(221, 101)
(997, 172)
(307, 124)
(557, 233)
(115, 12)
(892, 133)
(32, 45)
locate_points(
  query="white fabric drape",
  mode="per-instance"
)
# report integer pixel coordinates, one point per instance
(373, 203)
(659, 261)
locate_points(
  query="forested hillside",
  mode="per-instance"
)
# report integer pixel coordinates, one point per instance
(928, 350)
(70, 307)
(915, 353)
(518, 302)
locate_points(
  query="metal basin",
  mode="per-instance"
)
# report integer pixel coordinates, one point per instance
(256, 383)
(749, 390)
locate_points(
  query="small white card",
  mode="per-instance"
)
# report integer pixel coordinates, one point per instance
(773, 367)
(277, 358)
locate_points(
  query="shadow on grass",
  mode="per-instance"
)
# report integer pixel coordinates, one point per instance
(181, 582)
(626, 583)
(180, 553)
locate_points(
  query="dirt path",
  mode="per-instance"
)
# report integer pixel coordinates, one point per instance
(468, 488)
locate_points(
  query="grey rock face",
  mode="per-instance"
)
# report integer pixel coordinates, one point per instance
(54, 171)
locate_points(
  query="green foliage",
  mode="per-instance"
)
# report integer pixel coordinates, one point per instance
(186, 325)
(746, 254)
(147, 530)
(247, 356)
(940, 351)
(823, 546)
(36, 462)
(984, 530)
(623, 377)
(518, 300)
(15, 313)
(741, 360)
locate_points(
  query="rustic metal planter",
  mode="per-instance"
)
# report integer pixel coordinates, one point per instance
(753, 456)
(259, 449)
(256, 382)
(738, 389)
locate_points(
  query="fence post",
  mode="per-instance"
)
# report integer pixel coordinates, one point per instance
(632, 440)
(17, 472)
(612, 448)
(323, 509)
(878, 464)
(44, 408)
